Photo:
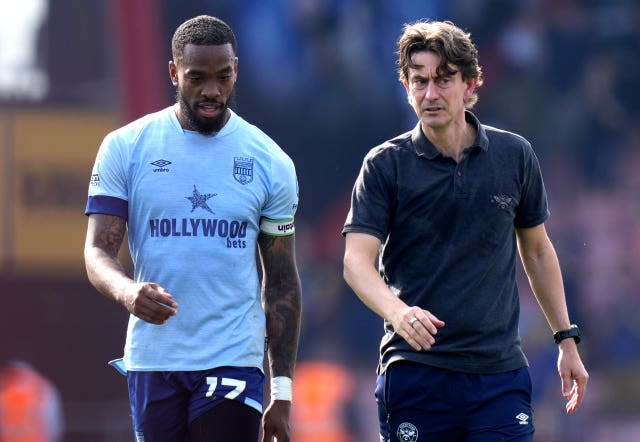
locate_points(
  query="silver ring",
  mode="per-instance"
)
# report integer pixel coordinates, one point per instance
(412, 321)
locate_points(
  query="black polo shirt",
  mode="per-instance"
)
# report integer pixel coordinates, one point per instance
(448, 241)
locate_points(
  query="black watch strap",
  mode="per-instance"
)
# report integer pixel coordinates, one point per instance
(571, 332)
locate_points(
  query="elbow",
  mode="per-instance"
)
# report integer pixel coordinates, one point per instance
(345, 273)
(348, 269)
(88, 258)
(359, 258)
(89, 265)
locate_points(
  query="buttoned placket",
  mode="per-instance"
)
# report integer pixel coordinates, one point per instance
(460, 178)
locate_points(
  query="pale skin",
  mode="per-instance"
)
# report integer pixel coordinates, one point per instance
(207, 74)
(439, 104)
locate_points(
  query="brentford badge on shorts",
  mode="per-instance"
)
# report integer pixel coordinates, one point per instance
(243, 169)
(407, 432)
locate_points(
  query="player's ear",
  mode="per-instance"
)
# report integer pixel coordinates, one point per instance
(471, 87)
(405, 83)
(173, 73)
(235, 68)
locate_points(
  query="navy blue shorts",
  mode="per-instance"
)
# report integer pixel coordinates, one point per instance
(420, 403)
(164, 403)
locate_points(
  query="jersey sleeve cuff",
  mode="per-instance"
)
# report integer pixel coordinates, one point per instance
(107, 205)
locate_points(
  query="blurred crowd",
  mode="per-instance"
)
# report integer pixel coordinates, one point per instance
(319, 76)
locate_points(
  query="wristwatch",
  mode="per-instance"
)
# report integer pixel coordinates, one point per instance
(571, 332)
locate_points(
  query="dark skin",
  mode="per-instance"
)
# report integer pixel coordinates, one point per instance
(149, 301)
(281, 296)
(205, 77)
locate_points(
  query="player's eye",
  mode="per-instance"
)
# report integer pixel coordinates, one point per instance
(419, 83)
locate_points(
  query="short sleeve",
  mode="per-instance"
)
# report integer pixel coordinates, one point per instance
(278, 213)
(533, 208)
(108, 192)
(371, 199)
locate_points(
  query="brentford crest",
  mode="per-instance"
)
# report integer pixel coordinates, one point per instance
(407, 432)
(243, 169)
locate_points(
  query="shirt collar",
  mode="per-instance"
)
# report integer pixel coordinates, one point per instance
(425, 148)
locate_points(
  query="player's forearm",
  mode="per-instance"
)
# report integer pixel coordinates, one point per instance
(105, 234)
(106, 273)
(363, 278)
(545, 278)
(283, 310)
(282, 301)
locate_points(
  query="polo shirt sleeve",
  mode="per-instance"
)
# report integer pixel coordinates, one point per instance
(371, 198)
(533, 208)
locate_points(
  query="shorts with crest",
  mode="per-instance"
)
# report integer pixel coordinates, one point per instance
(421, 403)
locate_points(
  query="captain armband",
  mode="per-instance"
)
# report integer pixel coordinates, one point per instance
(282, 227)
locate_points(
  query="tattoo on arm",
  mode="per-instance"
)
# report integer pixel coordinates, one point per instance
(109, 234)
(282, 300)
(105, 234)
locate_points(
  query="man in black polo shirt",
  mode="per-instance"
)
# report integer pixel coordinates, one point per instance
(447, 207)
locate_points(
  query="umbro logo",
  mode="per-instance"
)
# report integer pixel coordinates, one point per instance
(161, 165)
(523, 419)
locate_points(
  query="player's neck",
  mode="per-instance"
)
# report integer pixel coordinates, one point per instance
(451, 140)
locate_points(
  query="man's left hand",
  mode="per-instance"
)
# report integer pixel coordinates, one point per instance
(275, 422)
(573, 375)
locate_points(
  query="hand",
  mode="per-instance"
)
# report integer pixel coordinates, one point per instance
(417, 326)
(150, 302)
(275, 422)
(573, 375)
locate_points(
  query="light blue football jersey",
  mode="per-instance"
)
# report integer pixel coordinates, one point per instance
(194, 206)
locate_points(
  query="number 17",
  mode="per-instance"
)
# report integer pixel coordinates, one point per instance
(238, 385)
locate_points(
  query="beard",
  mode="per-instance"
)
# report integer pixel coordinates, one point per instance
(205, 126)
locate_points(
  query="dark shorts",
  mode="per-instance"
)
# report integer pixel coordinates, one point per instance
(420, 403)
(164, 404)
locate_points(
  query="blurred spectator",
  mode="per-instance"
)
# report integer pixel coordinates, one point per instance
(30, 407)
(323, 395)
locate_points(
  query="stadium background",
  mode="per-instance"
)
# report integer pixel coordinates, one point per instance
(319, 77)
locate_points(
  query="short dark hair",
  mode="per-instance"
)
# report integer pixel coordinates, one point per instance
(201, 30)
(452, 44)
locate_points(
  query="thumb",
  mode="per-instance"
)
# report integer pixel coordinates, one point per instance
(567, 384)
